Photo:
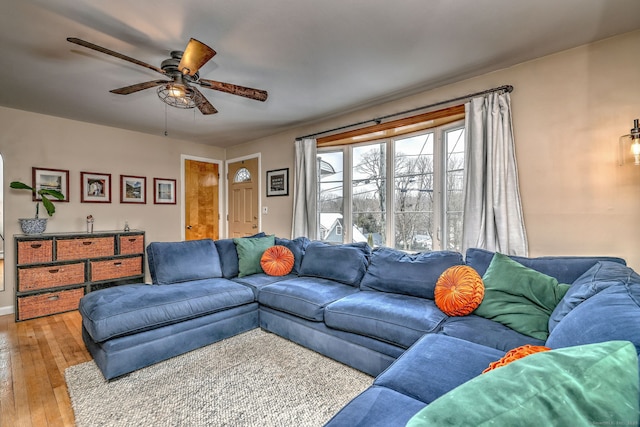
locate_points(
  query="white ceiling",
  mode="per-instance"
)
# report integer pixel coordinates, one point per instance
(315, 58)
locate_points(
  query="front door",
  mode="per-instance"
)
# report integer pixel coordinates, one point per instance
(201, 200)
(243, 194)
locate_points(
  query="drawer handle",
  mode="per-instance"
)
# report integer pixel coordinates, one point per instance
(87, 243)
(117, 264)
(133, 240)
(54, 270)
(54, 298)
(36, 245)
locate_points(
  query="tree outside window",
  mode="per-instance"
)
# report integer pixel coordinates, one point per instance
(425, 200)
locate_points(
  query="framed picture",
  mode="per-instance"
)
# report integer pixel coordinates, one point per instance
(133, 189)
(95, 187)
(278, 182)
(164, 191)
(51, 179)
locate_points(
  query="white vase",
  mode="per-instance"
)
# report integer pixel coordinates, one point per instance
(33, 225)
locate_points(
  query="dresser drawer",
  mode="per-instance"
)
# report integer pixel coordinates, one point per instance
(49, 303)
(115, 268)
(32, 251)
(30, 279)
(67, 249)
(131, 244)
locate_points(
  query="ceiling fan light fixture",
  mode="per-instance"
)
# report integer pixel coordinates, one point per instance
(179, 96)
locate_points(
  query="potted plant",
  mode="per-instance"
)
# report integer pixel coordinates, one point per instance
(37, 225)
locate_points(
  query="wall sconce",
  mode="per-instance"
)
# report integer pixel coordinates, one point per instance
(629, 151)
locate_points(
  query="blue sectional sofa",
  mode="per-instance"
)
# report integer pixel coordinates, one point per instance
(372, 310)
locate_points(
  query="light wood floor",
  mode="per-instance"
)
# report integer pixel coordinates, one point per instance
(33, 357)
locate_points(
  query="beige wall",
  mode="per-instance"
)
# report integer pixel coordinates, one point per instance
(568, 111)
(29, 139)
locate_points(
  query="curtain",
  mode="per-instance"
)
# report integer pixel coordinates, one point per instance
(493, 217)
(305, 184)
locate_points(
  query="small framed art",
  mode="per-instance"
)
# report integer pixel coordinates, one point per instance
(51, 179)
(95, 187)
(278, 182)
(164, 191)
(133, 189)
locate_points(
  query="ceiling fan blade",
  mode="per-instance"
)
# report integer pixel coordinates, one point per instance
(204, 105)
(138, 87)
(113, 53)
(247, 92)
(195, 56)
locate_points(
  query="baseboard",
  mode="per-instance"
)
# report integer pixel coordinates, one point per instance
(6, 310)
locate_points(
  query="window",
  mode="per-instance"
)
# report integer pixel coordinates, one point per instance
(242, 175)
(404, 192)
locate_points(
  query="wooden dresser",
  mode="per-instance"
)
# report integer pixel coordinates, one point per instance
(54, 270)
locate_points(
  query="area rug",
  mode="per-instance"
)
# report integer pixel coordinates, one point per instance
(255, 378)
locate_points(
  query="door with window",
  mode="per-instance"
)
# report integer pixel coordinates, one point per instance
(201, 200)
(244, 191)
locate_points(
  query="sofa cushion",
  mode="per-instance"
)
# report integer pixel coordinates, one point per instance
(483, 331)
(343, 263)
(297, 246)
(175, 262)
(435, 365)
(305, 297)
(519, 297)
(229, 256)
(585, 385)
(459, 290)
(398, 272)
(129, 309)
(250, 250)
(564, 268)
(601, 276)
(397, 319)
(377, 407)
(611, 314)
(277, 261)
(260, 280)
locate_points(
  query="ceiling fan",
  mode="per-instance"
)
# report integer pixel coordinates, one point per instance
(182, 71)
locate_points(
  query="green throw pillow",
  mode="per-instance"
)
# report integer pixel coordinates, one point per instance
(250, 250)
(595, 384)
(519, 297)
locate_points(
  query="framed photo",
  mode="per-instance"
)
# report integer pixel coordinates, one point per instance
(278, 182)
(133, 189)
(164, 191)
(51, 179)
(95, 187)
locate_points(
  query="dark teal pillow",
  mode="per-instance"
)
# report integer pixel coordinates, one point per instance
(595, 384)
(519, 297)
(229, 255)
(250, 251)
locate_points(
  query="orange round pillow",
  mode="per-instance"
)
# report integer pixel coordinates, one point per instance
(277, 261)
(459, 290)
(515, 354)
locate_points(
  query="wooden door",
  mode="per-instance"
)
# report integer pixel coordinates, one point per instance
(201, 200)
(243, 197)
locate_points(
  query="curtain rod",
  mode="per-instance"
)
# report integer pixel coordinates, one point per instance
(378, 120)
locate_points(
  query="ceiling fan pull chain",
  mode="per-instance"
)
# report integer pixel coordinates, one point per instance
(165, 121)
